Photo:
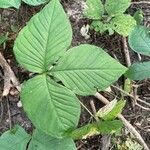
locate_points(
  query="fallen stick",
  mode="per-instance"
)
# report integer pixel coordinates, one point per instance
(126, 51)
(141, 2)
(10, 79)
(125, 122)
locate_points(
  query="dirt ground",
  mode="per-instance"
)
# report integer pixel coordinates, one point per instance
(12, 20)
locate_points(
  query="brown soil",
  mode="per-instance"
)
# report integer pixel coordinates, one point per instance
(10, 18)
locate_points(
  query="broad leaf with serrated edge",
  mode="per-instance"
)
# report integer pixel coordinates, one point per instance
(45, 38)
(139, 40)
(86, 68)
(41, 141)
(15, 139)
(35, 2)
(10, 3)
(139, 71)
(123, 24)
(51, 107)
(114, 7)
(94, 9)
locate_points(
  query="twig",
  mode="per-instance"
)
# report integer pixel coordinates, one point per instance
(106, 142)
(87, 109)
(2, 112)
(145, 108)
(125, 122)
(141, 2)
(93, 106)
(93, 109)
(9, 77)
(126, 51)
(126, 93)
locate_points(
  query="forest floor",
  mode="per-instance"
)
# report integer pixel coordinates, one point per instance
(12, 20)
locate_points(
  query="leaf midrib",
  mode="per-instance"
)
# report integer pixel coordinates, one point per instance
(46, 83)
(84, 69)
(46, 47)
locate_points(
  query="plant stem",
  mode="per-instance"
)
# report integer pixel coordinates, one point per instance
(141, 2)
(125, 122)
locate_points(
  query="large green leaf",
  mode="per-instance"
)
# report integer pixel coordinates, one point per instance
(139, 71)
(123, 24)
(35, 2)
(41, 141)
(51, 107)
(15, 139)
(114, 7)
(45, 38)
(86, 68)
(94, 9)
(139, 40)
(10, 3)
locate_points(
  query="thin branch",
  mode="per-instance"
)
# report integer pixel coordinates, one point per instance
(125, 122)
(87, 109)
(9, 77)
(141, 2)
(145, 108)
(126, 93)
(2, 111)
(126, 51)
(93, 106)
(93, 109)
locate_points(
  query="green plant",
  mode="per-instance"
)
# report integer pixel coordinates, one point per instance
(49, 97)
(110, 16)
(17, 3)
(18, 139)
(139, 40)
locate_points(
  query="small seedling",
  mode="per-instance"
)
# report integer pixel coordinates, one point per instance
(110, 16)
